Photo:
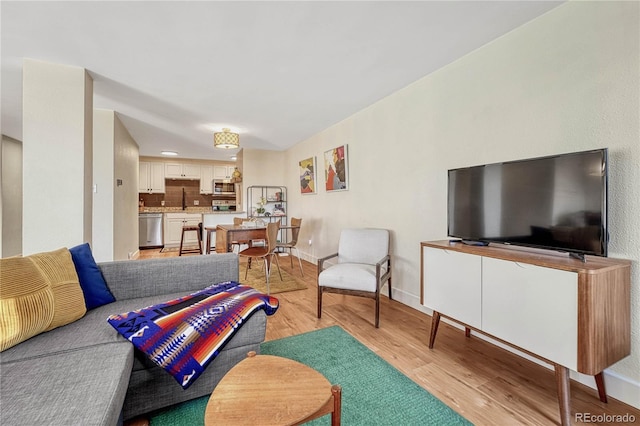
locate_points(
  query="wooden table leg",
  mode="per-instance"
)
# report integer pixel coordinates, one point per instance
(222, 242)
(602, 392)
(467, 332)
(336, 414)
(564, 394)
(333, 406)
(435, 321)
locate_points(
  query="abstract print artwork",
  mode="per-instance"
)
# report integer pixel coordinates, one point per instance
(308, 175)
(336, 169)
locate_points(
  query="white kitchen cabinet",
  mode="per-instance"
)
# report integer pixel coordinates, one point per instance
(173, 224)
(151, 177)
(173, 170)
(532, 307)
(144, 184)
(223, 171)
(206, 177)
(454, 284)
(181, 171)
(191, 171)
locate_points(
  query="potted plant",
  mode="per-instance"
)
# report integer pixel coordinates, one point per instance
(260, 210)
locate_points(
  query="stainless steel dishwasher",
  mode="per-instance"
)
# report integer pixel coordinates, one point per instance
(150, 233)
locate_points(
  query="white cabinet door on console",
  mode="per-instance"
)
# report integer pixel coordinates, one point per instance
(532, 307)
(453, 284)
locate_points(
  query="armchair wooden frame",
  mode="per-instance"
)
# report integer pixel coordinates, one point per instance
(381, 278)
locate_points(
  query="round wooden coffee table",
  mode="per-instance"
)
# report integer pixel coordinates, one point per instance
(270, 390)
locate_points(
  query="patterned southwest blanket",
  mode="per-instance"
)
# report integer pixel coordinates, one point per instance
(184, 335)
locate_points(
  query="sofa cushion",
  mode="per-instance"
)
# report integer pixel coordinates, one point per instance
(90, 330)
(168, 392)
(80, 387)
(129, 279)
(95, 289)
(68, 301)
(26, 301)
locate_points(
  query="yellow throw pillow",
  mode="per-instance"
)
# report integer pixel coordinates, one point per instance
(68, 299)
(26, 301)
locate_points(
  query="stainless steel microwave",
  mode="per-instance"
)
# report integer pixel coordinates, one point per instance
(221, 187)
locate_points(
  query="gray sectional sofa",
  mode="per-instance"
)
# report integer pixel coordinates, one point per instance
(85, 373)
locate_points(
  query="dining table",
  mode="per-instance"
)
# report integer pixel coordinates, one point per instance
(225, 234)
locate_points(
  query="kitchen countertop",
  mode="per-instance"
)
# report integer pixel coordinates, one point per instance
(189, 210)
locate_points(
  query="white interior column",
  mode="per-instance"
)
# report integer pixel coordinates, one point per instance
(57, 156)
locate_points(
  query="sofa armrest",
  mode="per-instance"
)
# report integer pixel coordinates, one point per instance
(129, 279)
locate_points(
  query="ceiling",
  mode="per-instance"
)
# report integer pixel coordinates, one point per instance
(275, 72)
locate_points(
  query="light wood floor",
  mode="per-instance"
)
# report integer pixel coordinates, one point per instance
(486, 384)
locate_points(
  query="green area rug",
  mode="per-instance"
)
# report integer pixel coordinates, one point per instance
(373, 391)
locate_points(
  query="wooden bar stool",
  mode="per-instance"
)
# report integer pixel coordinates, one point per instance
(197, 229)
(209, 230)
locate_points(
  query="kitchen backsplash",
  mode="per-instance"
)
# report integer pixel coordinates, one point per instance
(173, 195)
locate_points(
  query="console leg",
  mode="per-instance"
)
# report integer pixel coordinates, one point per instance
(602, 392)
(564, 394)
(467, 332)
(435, 321)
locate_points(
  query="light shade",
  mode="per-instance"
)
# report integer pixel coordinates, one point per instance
(226, 139)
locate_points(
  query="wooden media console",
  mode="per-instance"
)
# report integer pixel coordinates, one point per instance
(574, 315)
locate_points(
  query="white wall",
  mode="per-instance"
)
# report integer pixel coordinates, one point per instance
(567, 81)
(125, 202)
(115, 212)
(57, 156)
(261, 168)
(103, 169)
(10, 197)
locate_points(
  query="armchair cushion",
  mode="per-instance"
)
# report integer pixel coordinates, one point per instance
(349, 276)
(363, 246)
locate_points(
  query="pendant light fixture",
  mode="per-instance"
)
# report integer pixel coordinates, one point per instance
(226, 139)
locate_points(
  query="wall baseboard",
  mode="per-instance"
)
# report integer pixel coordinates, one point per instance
(617, 386)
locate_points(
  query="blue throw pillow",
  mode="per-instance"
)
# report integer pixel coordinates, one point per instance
(94, 287)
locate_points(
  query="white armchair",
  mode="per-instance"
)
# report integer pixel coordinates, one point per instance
(363, 266)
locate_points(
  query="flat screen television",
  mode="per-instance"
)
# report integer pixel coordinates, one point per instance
(557, 202)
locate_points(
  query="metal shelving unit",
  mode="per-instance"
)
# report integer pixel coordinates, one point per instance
(268, 203)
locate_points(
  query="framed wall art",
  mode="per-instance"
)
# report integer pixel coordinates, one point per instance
(308, 175)
(336, 169)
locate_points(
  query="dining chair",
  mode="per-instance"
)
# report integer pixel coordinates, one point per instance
(266, 252)
(363, 266)
(295, 230)
(236, 245)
